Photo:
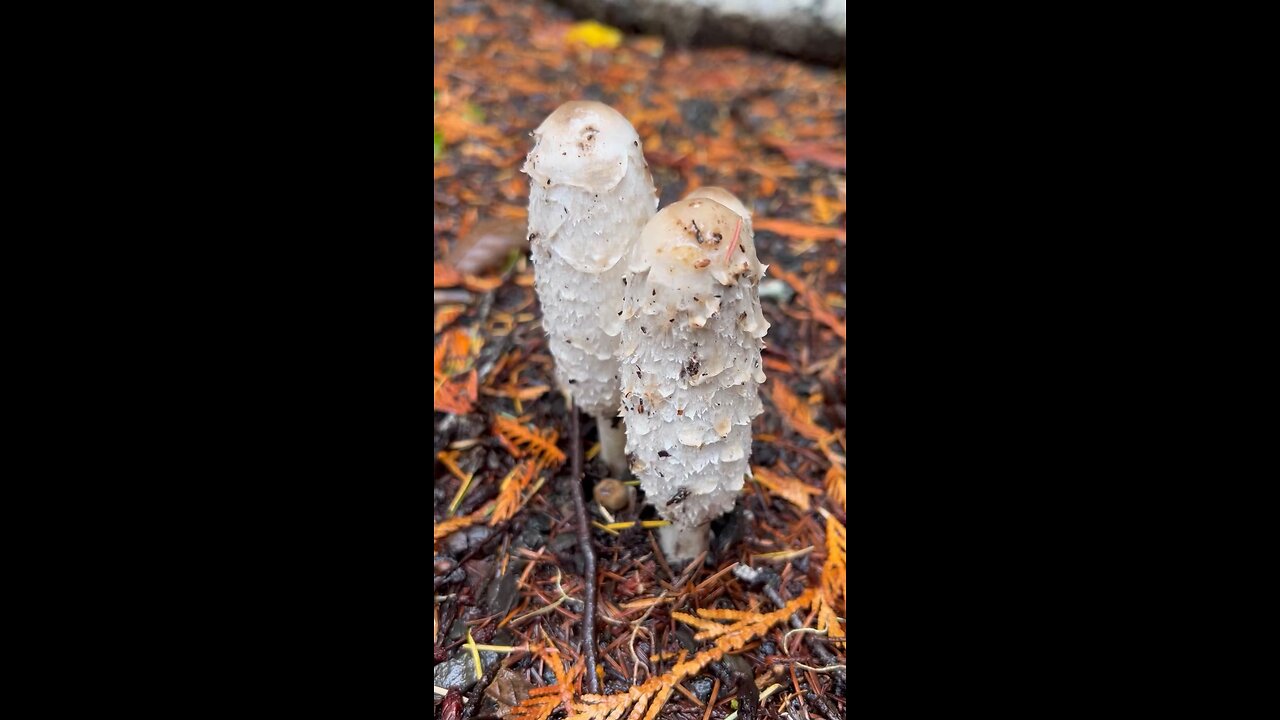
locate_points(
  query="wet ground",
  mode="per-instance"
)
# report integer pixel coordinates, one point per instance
(770, 130)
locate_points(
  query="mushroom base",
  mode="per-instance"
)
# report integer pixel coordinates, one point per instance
(682, 543)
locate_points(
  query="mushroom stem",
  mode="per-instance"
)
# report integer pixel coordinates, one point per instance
(682, 542)
(613, 445)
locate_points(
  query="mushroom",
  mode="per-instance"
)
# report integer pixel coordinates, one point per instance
(612, 494)
(691, 365)
(590, 195)
(725, 198)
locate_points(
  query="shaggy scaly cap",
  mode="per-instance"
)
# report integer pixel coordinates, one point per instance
(691, 364)
(590, 195)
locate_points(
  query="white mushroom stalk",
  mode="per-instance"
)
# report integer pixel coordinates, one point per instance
(590, 195)
(691, 365)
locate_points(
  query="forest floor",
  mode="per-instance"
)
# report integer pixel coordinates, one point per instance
(508, 566)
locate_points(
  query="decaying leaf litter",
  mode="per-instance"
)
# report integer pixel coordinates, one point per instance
(508, 570)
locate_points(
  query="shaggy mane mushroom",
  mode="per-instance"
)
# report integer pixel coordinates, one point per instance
(590, 195)
(691, 366)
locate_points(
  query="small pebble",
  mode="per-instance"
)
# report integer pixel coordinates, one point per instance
(701, 687)
(775, 290)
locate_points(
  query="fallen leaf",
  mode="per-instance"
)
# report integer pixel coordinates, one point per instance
(487, 245)
(799, 416)
(793, 490)
(456, 352)
(509, 689)
(458, 396)
(446, 314)
(447, 277)
(594, 35)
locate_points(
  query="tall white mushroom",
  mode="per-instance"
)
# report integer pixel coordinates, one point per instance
(590, 195)
(691, 365)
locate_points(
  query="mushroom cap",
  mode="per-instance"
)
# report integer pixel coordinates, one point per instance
(722, 196)
(583, 143)
(689, 247)
(612, 494)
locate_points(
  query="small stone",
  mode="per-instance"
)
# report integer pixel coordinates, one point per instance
(701, 687)
(464, 540)
(459, 671)
(775, 289)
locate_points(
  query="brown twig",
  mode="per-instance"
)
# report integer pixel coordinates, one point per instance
(715, 692)
(590, 680)
(822, 706)
(748, 698)
(474, 695)
(662, 560)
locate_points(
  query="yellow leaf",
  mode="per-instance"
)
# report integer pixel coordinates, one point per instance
(594, 35)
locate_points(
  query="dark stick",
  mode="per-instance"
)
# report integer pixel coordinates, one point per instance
(591, 681)
(821, 705)
(748, 693)
(748, 698)
(476, 693)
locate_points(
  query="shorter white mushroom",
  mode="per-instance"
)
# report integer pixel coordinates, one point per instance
(691, 365)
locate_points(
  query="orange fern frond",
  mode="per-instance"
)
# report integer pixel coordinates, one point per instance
(835, 479)
(834, 483)
(726, 614)
(832, 591)
(793, 490)
(457, 350)
(653, 693)
(698, 623)
(536, 707)
(544, 701)
(512, 489)
(541, 444)
(735, 635)
(453, 525)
